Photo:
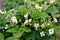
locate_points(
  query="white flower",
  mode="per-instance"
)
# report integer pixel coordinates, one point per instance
(6, 26)
(37, 6)
(26, 16)
(14, 20)
(26, 22)
(43, 25)
(36, 25)
(0, 11)
(4, 12)
(51, 1)
(45, 3)
(51, 31)
(30, 20)
(55, 20)
(42, 33)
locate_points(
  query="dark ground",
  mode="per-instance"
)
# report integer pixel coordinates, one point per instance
(2, 7)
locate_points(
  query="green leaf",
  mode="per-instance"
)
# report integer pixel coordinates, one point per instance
(1, 36)
(31, 36)
(12, 30)
(19, 33)
(3, 20)
(45, 7)
(22, 10)
(10, 38)
(19, 1)
(34, 13)
(56, 15)
(10, 5)
(39, 1)
(26, 29)
(57, 29)
(42, 15)
(52, 10)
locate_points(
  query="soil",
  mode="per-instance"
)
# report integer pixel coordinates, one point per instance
(2, 5)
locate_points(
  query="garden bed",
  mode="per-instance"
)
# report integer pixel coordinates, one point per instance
(30, 20)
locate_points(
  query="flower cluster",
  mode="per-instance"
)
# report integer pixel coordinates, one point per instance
(36, 26)
(30, 20)
(14, 20)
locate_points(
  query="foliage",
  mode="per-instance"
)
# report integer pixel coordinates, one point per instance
(30, 20)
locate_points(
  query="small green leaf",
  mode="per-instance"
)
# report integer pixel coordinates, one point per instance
(56, 15)
(1, 36)
(42, 15)
(10, 38)
(22, 10)
(57, 29)
(25, 29)
(12, 30)
(52, 10)
(34, 13)
(19, 33)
